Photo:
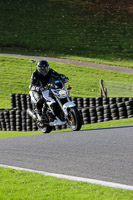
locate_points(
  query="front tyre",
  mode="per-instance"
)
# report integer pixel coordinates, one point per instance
(74, 119)
(44, 128)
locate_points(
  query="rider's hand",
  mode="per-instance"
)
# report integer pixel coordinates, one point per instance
(66, 80)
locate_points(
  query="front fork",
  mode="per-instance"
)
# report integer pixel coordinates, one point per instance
(65, 107)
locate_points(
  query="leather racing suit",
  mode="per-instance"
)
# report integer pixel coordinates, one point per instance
(38, 81)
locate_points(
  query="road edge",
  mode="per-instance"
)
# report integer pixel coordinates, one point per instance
(73, 178)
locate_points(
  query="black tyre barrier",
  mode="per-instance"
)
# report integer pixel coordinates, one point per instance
(85, 115)
(20, 101)
(105, 101)
(92, 110)
(98, 101)
(16, 120)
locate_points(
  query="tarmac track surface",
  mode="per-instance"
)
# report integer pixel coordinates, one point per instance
(104, 154)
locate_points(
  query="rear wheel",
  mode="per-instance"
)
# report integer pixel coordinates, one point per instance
(44, 128)
(74, 119)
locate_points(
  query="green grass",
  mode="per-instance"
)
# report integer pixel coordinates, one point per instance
(15, 78)
(92, 30)
(123, 89)
(30, 186)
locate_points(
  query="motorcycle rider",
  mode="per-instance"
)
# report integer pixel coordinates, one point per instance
(39, 80)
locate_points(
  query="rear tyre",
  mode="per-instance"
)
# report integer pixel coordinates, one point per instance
(74, 119)
(44, 128)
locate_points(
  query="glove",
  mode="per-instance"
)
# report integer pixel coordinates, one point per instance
(64, 78)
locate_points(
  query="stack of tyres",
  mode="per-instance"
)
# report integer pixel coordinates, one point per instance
(12, 116)
(2, 122)
(98, 101)
(114, 111)
(85, 115)
(105, 101)
(28, 123)
(100, 114)
(18, 102)
(122, 110)
(92, 102)
(113, 108)
(130, 98)
(18, 120)
(129, 108)
(7, 120)
(23, 101)
(23, 120)
(86, 102)
(124, 99)
(80, 102)
(13, 101)
(112, 100)
(93, 114)
(107, 112)
(118, 99)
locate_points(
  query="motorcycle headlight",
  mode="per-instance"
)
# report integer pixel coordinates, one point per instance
(63, 92)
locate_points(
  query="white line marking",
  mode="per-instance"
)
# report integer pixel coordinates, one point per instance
(74, 178)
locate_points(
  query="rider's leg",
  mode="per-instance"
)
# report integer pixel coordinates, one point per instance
(37, 101)
(38, 109)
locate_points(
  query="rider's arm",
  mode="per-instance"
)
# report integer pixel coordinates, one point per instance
(34, 86)
(60, 76)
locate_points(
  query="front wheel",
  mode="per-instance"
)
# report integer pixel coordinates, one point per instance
(74, 119)
(44, 128)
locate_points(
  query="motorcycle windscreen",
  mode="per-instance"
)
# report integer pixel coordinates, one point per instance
(58, 84)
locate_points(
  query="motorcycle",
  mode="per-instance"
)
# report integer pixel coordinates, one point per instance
(57, 109)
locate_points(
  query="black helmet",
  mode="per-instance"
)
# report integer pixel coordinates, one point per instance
(43, 67)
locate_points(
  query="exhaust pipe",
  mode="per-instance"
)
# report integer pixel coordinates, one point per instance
(32, 114)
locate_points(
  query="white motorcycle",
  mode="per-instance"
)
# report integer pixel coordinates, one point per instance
(57, 109)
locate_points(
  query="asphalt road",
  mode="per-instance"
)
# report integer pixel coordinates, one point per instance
(103, 154)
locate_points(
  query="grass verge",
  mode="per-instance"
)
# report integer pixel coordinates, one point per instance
(26, 185)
